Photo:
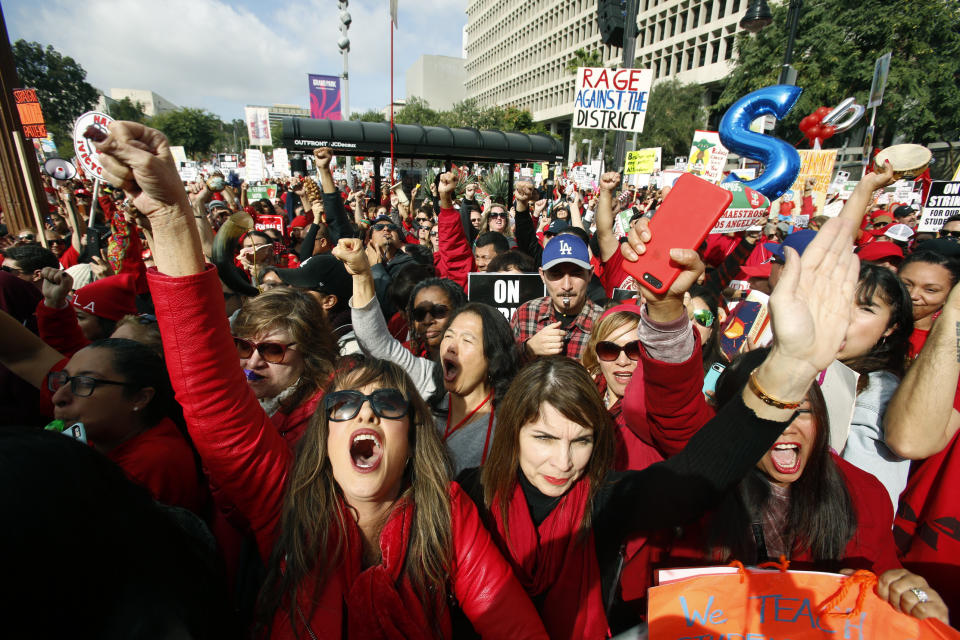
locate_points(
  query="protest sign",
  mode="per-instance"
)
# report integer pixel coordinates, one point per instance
(813, 164)
(942, 202)
(643, 161)
(723, 603)
(611, 99)
(281, 163)
(258, 125)
(504, 291)
(31, 115)
(707, 156)
(87, 156)
(747, 207)
(179, 155)
(254, 165)
(750, 319)
(259, 192)
(229, 160)
(881, 69)
(269, 222)
(188, 171)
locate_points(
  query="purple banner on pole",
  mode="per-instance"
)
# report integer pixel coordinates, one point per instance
(325, 97)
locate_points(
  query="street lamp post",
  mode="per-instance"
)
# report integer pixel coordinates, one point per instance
(344, 44)
(589, 144)
(758, 16)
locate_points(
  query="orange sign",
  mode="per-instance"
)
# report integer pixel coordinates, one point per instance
(31, 115)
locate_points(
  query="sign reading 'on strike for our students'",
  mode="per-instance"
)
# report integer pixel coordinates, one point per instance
(611, 99)
(504, 291)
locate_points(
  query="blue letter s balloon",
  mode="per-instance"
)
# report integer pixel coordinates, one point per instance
(781, 162)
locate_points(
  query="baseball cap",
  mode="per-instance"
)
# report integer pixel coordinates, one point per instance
(899, 232)
(880, 251)
(216, 204)
(322, 273)
(111, 298)
(797, 241)
(903, 211)
(566, 248)
(556, 227)
(883, 217)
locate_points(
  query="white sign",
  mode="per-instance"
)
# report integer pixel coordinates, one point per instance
(254, 165)
(87, 156)
(707, 156)
(611, 99)
(228, 161)
(188, 171)
(281, 163)
(179, 155)
(943, 201)
(258, 126)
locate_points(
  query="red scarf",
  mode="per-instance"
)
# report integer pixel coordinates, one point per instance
(556, 567)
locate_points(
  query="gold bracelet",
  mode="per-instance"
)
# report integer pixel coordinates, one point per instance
(765, 397)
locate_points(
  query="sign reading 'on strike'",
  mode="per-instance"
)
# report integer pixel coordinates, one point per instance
(611, 99)
(504, 291)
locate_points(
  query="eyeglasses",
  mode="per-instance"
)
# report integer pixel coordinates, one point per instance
(80, 386)
(497, 214)
(27, 237)
(9, 269)
(272, 352)
(703, 317)
(610, 351)
(437, 311)
(949, 234)
(385, 227)
(345, 405)
(63, 242)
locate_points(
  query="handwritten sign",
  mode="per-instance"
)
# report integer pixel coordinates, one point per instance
(87, 156)
(643, 161)
(504, 291)
(31, 115)
(942, 202)
(819, 166)
(611, 99)
(260, 192)
(707, 156)
(745, 209)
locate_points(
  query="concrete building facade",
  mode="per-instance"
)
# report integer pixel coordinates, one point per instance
(439, 80)
(152, 103)
(518, 50)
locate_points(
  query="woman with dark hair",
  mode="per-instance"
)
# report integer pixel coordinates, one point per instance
(928, 276)
(120, 391)
(704, 313)
(368, 538)
(804, 504)
(876, 347)
(425, 313)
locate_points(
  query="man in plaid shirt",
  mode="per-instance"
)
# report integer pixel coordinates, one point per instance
(562, 321)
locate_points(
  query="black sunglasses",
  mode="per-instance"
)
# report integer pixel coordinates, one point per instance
(385, 227)
(9, 269)
(949, 234)
(438, 311)
(497, 214)
(610, 351)
(345, 405)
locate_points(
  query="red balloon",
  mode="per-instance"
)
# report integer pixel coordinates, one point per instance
(814, 132)
(822, 112)
(808, 122)
(827, 130)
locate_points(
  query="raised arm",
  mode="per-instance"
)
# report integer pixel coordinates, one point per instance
(23, 353)
(921, 418)
(337, 226)
(606, 238)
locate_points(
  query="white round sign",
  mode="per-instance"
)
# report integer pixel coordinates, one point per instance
(87, 157)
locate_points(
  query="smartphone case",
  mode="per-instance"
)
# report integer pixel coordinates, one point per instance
(682, 221)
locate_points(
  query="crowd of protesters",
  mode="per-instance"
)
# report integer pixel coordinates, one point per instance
(309, 431)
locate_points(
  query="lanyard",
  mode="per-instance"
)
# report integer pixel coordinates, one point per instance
(486, 443)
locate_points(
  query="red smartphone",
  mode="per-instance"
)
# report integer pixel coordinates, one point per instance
(682, 221)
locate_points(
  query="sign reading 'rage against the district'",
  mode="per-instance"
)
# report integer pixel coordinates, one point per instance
(611, 99)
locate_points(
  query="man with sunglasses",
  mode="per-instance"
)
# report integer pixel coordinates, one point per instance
(28, 261)
(385, 258)
(951, 228)
(561, 322)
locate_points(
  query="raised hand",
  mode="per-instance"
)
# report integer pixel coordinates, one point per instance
(323, 156)
(523, 192)
(351, 252)
(56, 287)
(609, 181)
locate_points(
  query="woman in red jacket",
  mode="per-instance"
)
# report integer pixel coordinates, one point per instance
(369, 539)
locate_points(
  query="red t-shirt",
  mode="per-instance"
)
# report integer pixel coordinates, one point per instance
(69, 258)
(614, 276)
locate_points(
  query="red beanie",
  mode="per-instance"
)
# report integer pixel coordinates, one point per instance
(110, 298)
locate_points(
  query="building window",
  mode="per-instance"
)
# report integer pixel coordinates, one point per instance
(729, 48)
(715, 45)
(721, 8)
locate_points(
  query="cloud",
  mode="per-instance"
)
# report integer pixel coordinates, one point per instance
(219, 56)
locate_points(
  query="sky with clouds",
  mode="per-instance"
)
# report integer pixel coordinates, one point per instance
(221, 56)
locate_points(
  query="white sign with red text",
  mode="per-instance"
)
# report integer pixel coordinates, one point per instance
(87, 156)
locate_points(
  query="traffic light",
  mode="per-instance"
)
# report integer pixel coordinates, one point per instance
(611, 16)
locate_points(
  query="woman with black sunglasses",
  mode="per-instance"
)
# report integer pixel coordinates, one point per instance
(365, 536)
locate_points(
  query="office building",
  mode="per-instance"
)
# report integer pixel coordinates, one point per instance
(152, 103)
(437, 79)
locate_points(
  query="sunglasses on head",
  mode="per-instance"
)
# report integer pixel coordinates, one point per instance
(385, 227)
(272, 352)
(437, 311)
(703, 317)
(610, 351)
(345, 405)
(27, 237)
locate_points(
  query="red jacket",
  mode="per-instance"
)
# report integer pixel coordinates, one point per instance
(59, 329)
(455, 256)
(250, 461)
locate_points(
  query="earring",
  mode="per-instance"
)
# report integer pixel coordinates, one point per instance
(136, 408)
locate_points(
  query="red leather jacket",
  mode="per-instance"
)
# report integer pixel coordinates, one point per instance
(455, 259)
(250, 462)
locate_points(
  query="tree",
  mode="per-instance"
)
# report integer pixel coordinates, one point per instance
(836, 46)
(127, 109)
(370, 115)
(584, 58)
(417, 111)
(61, 85)
(675, 110)
(196, 130)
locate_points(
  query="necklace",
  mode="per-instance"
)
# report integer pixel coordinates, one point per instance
(486, 442)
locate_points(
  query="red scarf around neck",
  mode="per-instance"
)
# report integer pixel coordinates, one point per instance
(556, 566)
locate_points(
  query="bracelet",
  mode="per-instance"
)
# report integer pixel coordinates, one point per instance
(765, 397)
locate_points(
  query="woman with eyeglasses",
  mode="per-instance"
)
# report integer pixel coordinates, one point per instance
(365, 536)
(120, 392)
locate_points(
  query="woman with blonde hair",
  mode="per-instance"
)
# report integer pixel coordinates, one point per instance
(366, 537)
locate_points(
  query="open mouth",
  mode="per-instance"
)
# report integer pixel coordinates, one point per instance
(451, 368)
(786, 457)
(365, 450)
(623, 377)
